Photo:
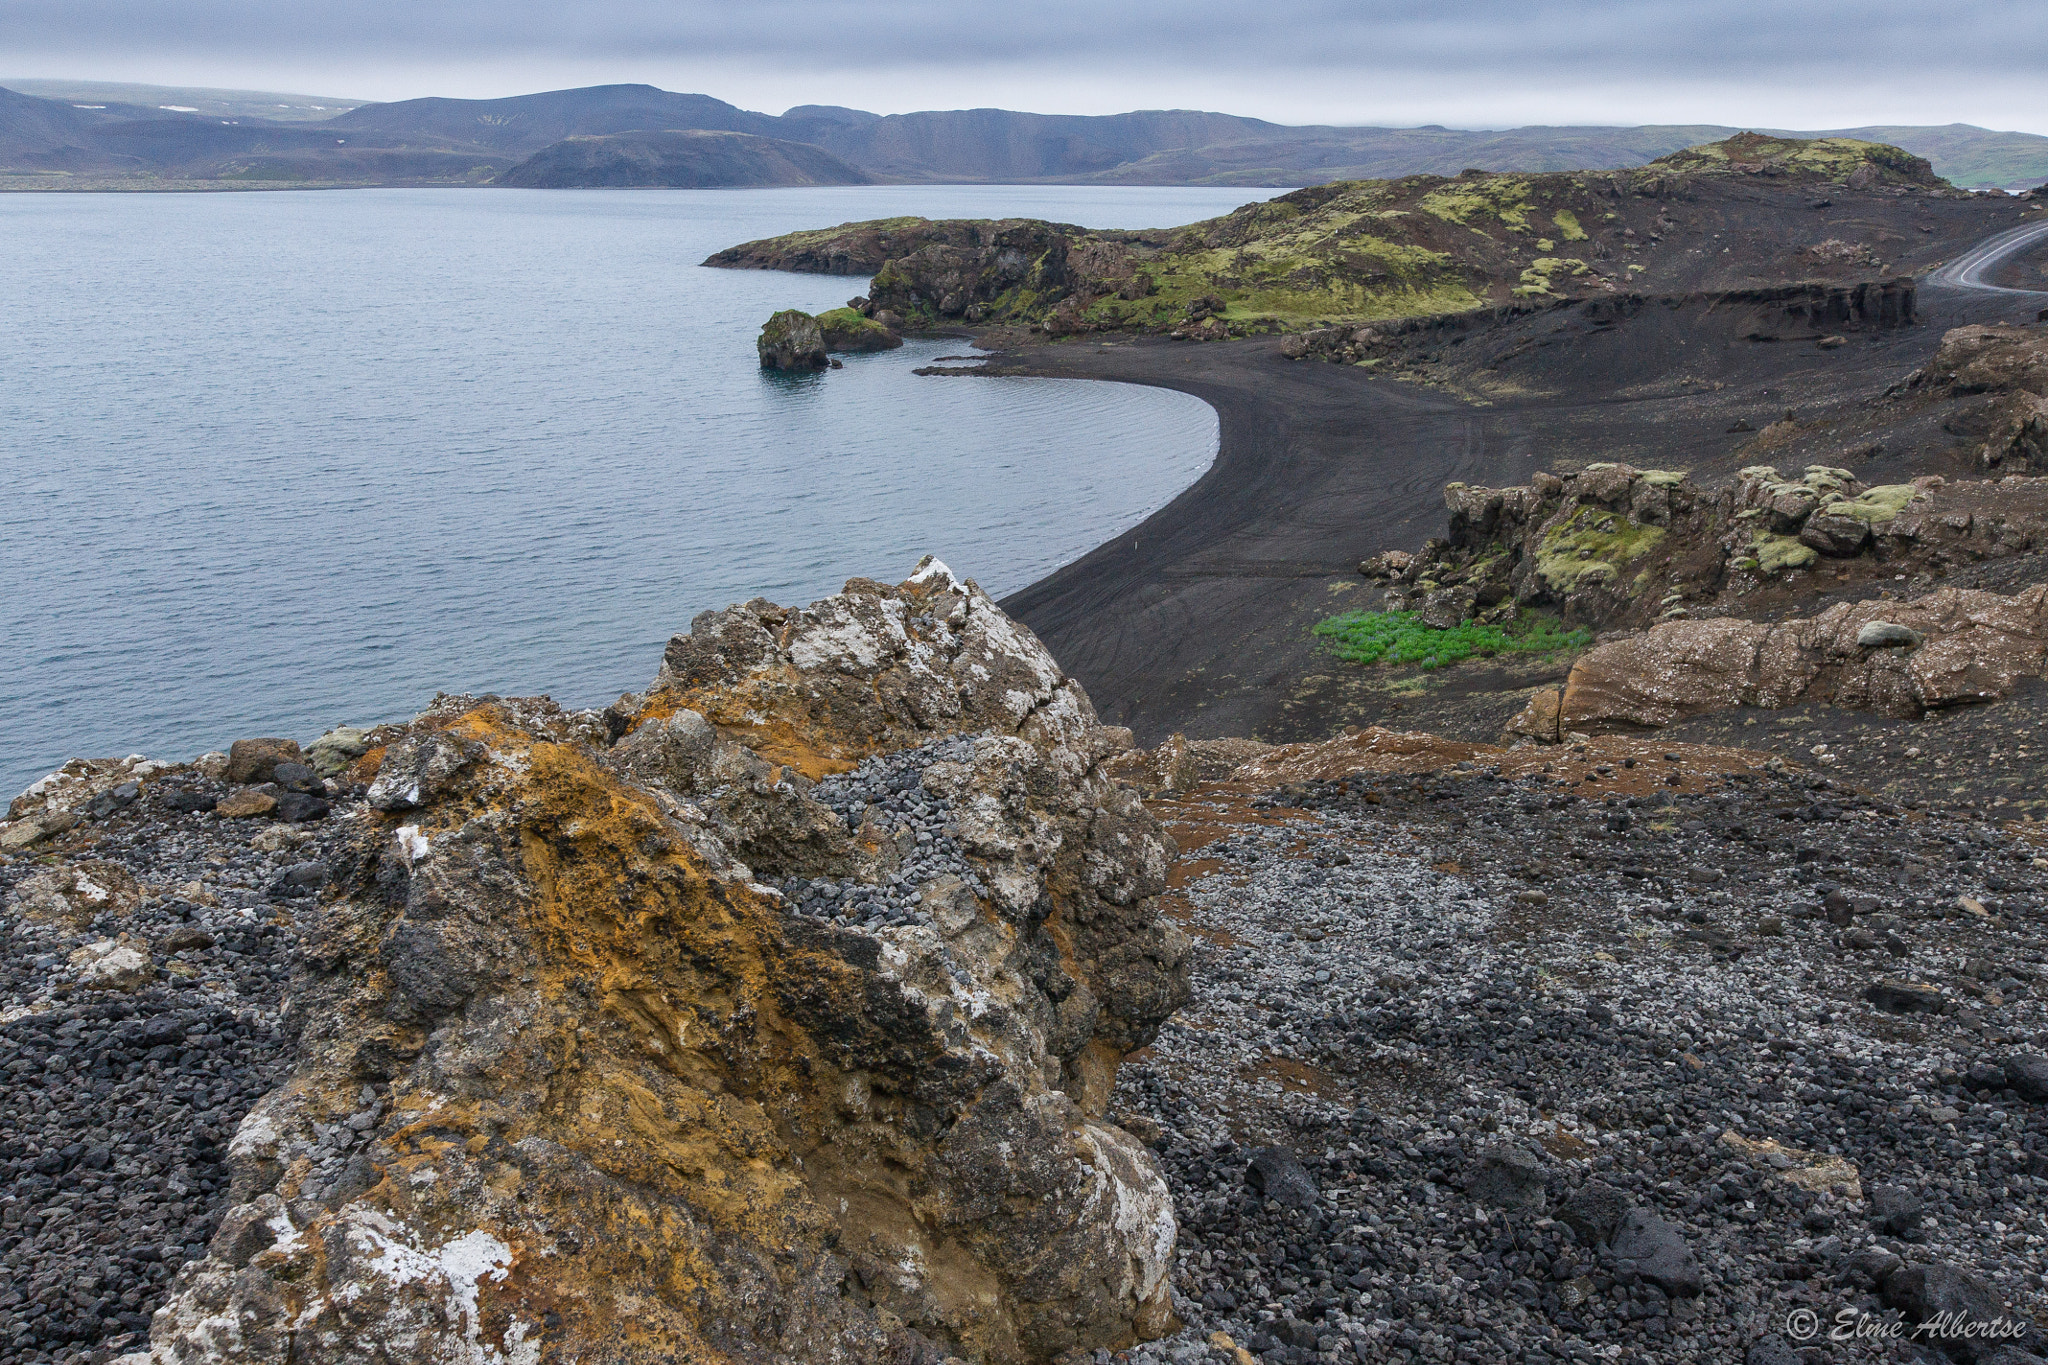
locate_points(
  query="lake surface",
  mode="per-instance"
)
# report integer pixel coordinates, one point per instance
(279, 461)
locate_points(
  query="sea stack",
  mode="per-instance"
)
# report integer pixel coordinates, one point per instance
(792, 340)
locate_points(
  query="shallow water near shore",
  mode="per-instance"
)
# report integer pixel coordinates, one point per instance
(279, 461)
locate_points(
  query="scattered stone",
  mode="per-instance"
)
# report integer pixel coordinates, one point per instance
(245, 804)
(297, 807)
(1594, 1211)
(1896, 1210)
(1659, 1253)
(1507, 1176)
(1905, 997)
(1278, 1175)
(333, 753)
(252, 761)
(1882, 634)
(111, 966)
(1942, 1290)
(2028, 1074)
(297, 777)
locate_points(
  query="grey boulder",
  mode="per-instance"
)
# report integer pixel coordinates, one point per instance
(1656, 1250)
(1506, 1176)
(1275, 1173)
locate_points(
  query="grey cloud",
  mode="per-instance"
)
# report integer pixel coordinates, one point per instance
(1825, 42)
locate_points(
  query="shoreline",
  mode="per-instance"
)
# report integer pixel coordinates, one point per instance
(1197, 619)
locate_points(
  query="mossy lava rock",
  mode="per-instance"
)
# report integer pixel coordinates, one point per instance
(792, 340)
(851, 330)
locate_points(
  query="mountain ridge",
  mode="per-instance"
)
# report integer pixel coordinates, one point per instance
(432, 140)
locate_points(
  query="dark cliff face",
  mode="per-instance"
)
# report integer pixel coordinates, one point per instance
(674, 159)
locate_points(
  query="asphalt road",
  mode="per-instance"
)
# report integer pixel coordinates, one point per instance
(1968, 270)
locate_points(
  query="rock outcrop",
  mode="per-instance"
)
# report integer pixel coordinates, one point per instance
(1615, 546)
(770, 1015)
(2000, 373)
(858, 328)
(1346, 257)
(792, 340)
(1950, 648)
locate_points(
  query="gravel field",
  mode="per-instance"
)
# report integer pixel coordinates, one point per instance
(119, 1091)
(1631, 1060)
(1552, 1078)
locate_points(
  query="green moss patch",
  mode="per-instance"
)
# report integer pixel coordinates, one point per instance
(1777, 554)
(1502, 199)
(1591, 546)
(1399, 637)
(1568, 225)
(1875, 505)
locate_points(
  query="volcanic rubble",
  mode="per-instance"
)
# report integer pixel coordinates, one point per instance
(1619, 1049)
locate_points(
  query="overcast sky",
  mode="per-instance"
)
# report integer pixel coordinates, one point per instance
(1470, 63)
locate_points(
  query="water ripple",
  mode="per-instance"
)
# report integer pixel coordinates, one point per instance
(280, 461)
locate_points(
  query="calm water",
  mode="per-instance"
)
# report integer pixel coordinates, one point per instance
(280, 461)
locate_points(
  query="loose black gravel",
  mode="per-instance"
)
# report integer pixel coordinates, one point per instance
(888, 794)
(1404, 975)
(116, 1108)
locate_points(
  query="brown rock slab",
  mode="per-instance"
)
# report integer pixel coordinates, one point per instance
(245, 804)
(253, 760)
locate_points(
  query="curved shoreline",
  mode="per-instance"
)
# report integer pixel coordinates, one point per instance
(1197, 619)
(1184, 621)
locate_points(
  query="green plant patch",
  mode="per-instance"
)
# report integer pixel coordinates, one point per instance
(1399, 637)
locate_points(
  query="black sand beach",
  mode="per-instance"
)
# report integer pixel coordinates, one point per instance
(1198, 619)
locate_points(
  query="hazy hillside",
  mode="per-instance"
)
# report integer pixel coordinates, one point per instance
(131, 141)
(695, 159)
(998, 145)
(273, 105)
(523, 124)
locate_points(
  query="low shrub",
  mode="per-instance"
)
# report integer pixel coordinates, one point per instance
(1399, 637)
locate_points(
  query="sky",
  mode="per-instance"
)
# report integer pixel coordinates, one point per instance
(1461, 63)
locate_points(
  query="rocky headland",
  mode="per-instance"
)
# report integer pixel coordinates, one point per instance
(1748, 212)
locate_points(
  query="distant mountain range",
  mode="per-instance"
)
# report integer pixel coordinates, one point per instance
(219, 138)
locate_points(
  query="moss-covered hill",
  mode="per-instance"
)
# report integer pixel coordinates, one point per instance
(1359, 250)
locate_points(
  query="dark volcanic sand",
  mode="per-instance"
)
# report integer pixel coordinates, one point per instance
(1198, 619)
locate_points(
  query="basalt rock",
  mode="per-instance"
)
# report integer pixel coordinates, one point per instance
(792, 340)
(1972, 646)
(1997, 378)
(1613, 546)
(578, 1082)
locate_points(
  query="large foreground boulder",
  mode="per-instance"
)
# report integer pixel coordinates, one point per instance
(767, 1017)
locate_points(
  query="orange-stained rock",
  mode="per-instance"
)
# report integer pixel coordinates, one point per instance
(578, 1083)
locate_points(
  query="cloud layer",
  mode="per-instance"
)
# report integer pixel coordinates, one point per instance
(1471, 63)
